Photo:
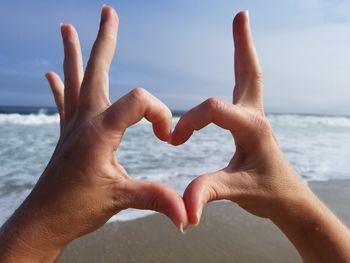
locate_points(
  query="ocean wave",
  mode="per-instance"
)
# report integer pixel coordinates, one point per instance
(30, 119)
(309, 120)
(40, 119)
(317, 147)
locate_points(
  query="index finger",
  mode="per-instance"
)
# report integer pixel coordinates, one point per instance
(134, 106)
(226, 115)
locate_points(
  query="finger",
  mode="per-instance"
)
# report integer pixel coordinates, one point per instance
(73, 69)
(131, 108)
(209, 187)
(94, 92)
(57, 89)
(213, 110)
(160, 198)
(248, 73)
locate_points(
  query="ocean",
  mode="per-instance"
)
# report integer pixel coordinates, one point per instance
(317, 146)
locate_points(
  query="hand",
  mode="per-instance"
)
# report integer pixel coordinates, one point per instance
(83, 184)
(258, 177)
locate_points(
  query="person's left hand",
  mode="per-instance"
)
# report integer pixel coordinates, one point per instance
(259, 177)
(83, 184)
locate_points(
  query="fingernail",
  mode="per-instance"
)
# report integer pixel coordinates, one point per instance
(47, 75)
(63, 31)
(182, 230)
(247, 14)
(104, 15)
(199, 214)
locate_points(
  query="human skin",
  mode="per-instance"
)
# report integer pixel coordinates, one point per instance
(83, 184)
(259, 178)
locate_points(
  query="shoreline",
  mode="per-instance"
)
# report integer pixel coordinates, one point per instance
(226, 234)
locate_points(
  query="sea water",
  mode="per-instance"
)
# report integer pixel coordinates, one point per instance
(317, 146)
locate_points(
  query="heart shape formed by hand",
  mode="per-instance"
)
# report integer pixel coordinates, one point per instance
(92, 129)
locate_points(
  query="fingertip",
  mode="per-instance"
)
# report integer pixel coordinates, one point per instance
(47, 75)
(199, 215)
(51, 77)
(180, 134)
(67, 31)
(109, 14)
(162, 122)
(183, 222)
(193, 202)
(246, 12)
(177, 138)
(241, 16)
(64, 31)
(160, 198)
(162, 131)
(240, 20)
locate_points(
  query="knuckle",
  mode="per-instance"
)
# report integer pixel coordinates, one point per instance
(152, 203)
(205, 184)
(138, 94)
(213, 193)
(258, 79)
(121, 199)
(94, 69)
(215, 104)
(95, 75)
(164, 112)
(255, 75)
(168, 113)
(254, 78)
(109, 36)
(261, 125)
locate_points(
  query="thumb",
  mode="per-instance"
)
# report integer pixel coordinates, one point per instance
(206, 188)
(160, 198)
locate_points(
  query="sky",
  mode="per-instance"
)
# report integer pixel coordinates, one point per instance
(181, 51)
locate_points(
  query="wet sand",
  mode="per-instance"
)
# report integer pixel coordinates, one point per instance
(226, 234)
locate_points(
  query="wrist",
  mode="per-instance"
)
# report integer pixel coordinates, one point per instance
(14, 248)
(315, 231)
(25, 237)
(295, 209)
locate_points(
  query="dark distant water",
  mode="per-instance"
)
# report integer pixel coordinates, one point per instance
(44, 110)
(27, 110)
(317, 146)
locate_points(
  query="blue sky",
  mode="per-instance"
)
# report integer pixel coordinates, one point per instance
(181, 51)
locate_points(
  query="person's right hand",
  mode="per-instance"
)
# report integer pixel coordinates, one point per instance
(84, 184)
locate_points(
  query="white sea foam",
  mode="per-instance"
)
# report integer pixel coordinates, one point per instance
(317, 146)
(307, 120)
(30, 119)
(39, 119)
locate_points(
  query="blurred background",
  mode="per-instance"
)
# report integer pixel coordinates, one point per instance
(182, 52)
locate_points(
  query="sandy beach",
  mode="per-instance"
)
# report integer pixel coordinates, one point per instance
(226, 234)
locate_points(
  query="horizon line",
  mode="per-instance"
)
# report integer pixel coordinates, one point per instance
(53, 109)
